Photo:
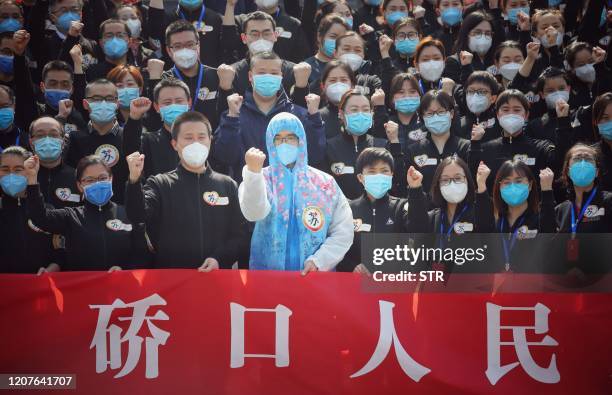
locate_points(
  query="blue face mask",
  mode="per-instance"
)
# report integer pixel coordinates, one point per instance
(377, 185)
(329, 47)
(6, 64)
(349, 21)
(267, 84)
(115, 48)
(190, 4)
(373, 3)
(406, 47)
(438, 124)
(99, 193)
(605, 130)
(513, 14)
(48, 149)
(451, 16)
(126, 95)
(395, 16)
(10, 25)
(64, 21)
(102, 111)
(170, 113)
(582, 173)
(287, 153)
(7, 116)
(358, 123)
(553, 3)
(54, 96)
(13, 184)
(604, 17)
(515, 194)
(407, 105)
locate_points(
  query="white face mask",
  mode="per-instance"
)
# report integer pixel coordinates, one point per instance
(544, 41)
(185, 58)
(480, 44)
(477, 103)
(195, 154)
(335, 91)
(135, 27)
(512, 123)
(261, 45)
(553, 98)
(454, 193)
(266, 3)
(509, 70)
(586, 73)
(431, 70)
(353, 60)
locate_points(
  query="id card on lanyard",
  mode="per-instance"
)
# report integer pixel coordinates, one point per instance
(197, 91)
(572, 250)
(508, 243)
(445, 236)
(200, 19)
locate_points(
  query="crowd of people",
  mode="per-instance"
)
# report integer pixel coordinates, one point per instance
(253, 134)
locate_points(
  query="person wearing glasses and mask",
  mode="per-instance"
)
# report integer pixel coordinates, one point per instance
(98, 234)
(103, 136)
(191, 213)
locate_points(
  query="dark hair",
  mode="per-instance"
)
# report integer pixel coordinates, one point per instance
(99, 81)
(485, 78)
(446, 101)
(351, 93)
(565, 178)
(327, 8)
(599, 107)
(170, 83)
(16, 150)
(33, 123)
(119, 72)
(57, 65)
(509, 94)
(436, 195)
(550, 73)
(257, 16)
(180, 26)
(334, 64)
(328, 21)
(114, 20)
(266, 55)
(348, 34)
(9, 92)
(505, 45)
(572, 50)
(90, 160)
(370, 156)
(428, 42)
(506, 169)
(384, 5)
(468, 24)
(397, 84)
(133, 7)
(189, 116)
(407, 22)
(535, 18)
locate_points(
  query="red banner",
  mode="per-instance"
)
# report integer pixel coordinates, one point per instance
(236, 332)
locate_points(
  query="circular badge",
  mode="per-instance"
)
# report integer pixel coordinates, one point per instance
(211, 198)
(337, 168)
(109, 154)
(63, 194)
(313, 218)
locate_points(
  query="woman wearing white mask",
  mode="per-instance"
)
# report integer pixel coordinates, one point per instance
(336, 80)
(133, 18)
(350, 49)
(453, 194)
(589, 76)
(474, 48)
(548, 28)
(437, 110)
(429, 63)
(508, 60)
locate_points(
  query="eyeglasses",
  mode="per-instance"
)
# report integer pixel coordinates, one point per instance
(188, 45)
(520, 180)
(402, 36)
(583, 157)
(476, 33)
(482, 92)
(256, 35)
(458, 179)
(96, 99)
(91, 180)
(293, 140)
(109, 36)
(430, 114)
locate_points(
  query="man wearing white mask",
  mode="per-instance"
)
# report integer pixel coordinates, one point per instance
(209, 87)
(192, 214)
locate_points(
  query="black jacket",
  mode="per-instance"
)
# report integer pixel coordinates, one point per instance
(97, 238)
(160, 156)
(58, 186)
(184, 225)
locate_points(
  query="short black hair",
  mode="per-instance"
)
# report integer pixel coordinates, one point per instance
(334, 64)
(258, 16)
(446, 101)
(485, 78)
(99, 81)
(265, 55)
(572, 50)
(114, 20)
(57, 65)
(550, 73)
(170, 83)
(180, 26)
(370, 156)
(90, 160)
(436, 195)
(189, 116)
(509, 94)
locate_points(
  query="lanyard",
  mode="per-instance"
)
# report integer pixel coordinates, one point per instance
(197, 91)
(450, 229)
(202, 13)
(508, 248)
(574, 224)
(423, 88)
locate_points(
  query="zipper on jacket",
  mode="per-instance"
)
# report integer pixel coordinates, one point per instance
(23, 230)
(103, 238)
(373, 219)
(202, 257)
(356, 149)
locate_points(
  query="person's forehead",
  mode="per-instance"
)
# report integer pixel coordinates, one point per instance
(484, 25)
(478, 85)
(259, 25)
(171, 92)
(126, 11)
(6, 42)
(182, 37)
(378, 164)
(193, 127)
(431, 50)
(554, 81)
(46, 124)
(268, 64)
(511, 52)
(357, 100)
(102, 89)
(58, 75)
(4, 96)
(338, 72)
(549, 19)
(453, 169)
(94, 171)
(9, 8)
(285, 133)
(11, 160)
(114, 27)
(582, 151)
(352, 41)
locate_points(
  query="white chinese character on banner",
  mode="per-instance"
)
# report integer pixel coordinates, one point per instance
(388, 337)
(116, 338)
(495, 371)
(281, 353)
